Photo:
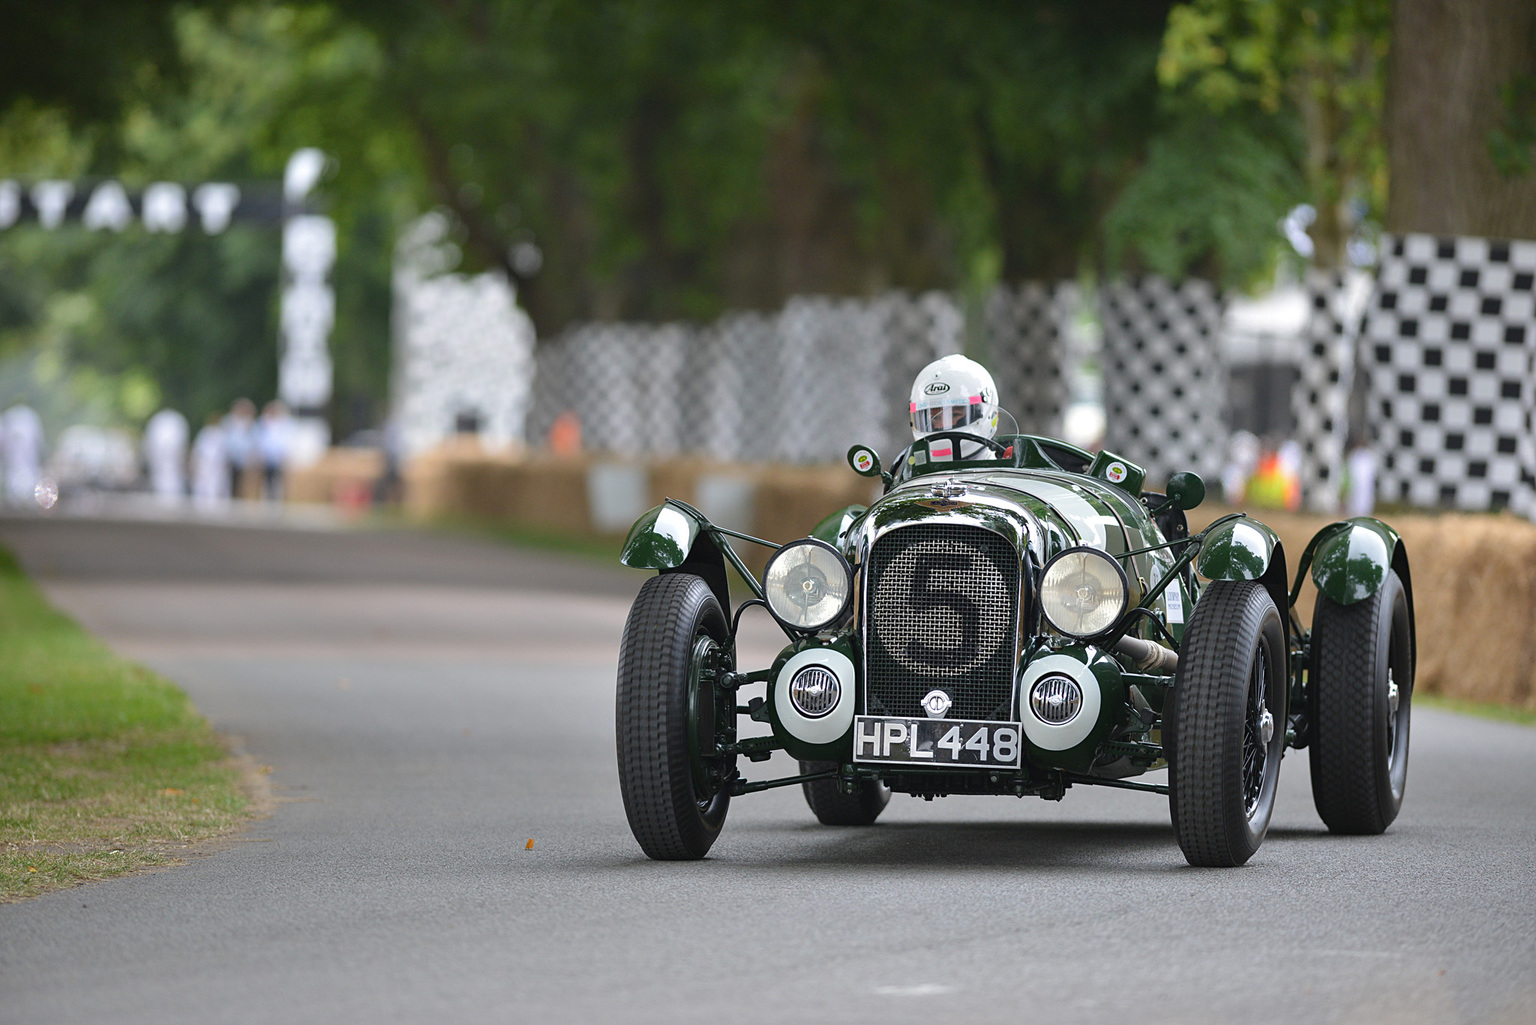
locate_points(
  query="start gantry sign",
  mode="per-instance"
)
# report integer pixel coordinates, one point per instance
(309, 252)
(168, 207)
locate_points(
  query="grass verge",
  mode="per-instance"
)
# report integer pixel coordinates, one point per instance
(105, 768)
(1482, 709)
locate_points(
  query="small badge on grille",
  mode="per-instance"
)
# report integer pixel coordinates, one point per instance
(936, 703)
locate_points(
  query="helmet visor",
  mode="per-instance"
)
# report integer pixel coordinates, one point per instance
(950, 416)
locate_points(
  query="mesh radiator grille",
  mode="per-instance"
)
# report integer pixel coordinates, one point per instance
(942, 612)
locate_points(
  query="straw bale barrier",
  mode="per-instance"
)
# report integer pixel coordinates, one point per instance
(1474, 597)
(340, 476)
(1474, 576)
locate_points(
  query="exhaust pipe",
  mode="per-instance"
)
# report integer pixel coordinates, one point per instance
(1148, 656)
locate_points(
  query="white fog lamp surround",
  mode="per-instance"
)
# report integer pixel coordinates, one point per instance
(834, 713)
(1058, 673)
(1083, 592)
(807, 585)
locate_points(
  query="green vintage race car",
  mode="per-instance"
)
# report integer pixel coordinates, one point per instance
(1016, 624)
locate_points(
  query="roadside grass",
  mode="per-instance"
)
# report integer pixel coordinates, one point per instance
(105, 768)
(1482, 709)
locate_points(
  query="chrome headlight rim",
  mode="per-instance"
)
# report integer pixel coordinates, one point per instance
(768, 595)
(1101, 554)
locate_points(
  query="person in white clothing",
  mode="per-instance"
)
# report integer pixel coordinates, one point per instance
(23, 453)
(1360, 499)
(239, 441)
(273, 436)
(165, 451)
(210, 466)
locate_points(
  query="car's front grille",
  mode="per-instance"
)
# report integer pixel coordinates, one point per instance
(941, 612)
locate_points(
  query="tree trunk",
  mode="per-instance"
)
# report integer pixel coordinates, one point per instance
(1450, 62)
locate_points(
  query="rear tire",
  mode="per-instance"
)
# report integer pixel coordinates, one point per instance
(1362, 653)
(675, 791)
(833, 807)
(1222, 772)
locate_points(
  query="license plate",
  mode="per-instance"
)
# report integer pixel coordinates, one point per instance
(936, 742)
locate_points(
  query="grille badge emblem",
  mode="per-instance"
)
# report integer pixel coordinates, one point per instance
(936, 703)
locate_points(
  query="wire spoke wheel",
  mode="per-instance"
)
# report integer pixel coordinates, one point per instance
(1257, 724)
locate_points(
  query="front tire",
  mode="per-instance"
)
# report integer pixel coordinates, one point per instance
(1229, 723)
(833, 807)
(676, 791)
(1360, 691)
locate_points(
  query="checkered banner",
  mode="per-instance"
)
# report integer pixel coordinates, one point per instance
(1026, 338)
(797, 386)
(1320, 400)
(1452, 342)
(1165, 384)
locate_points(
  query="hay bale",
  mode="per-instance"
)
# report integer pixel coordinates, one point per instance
(1474, 588)
(337, 476)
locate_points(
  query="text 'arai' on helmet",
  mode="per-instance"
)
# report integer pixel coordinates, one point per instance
(954, 394)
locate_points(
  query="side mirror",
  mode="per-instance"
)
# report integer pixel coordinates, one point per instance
(864, 461)
(1186, 490)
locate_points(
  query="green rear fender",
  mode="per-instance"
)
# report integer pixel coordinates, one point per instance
(1350, 559)
(1245, 549)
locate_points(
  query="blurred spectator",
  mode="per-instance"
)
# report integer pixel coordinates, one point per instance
(23, 453)
(87, 457)
(1360, 481)
(210, 466)
(239, 441)
(390, 489)
(1243, 450)
(165, 450)
(1276, 483)
(274, 434)
(564, 437)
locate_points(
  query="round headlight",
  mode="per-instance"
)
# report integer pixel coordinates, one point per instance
(1083, 592)
(807, 584)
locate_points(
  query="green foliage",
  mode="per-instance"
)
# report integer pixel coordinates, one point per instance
(1317, 70)
(1206, 203)
(672, 159)
(1512, 145)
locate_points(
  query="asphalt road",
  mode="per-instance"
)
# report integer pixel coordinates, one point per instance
(429, 704)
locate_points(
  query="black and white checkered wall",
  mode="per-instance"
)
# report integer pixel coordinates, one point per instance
(1026, 341)
(1320, 401)
(1452, 352)
(800, 385)
(1165, 383)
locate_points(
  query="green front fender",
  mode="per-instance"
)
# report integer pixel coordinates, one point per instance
(1245, 549)
(1351, 559)
(834, 528)
(661, 538)
(667, 538)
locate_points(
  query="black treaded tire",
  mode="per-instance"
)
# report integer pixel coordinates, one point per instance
(658, 773)
(832, 807)
(1221, 776)
(1359, 749)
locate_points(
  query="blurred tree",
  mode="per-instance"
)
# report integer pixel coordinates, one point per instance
(672, 158)
(1461, 121)
(1314, 70)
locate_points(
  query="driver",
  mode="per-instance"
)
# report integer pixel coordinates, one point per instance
(954, 394)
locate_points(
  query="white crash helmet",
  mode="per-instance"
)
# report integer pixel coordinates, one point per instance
(954, 394)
